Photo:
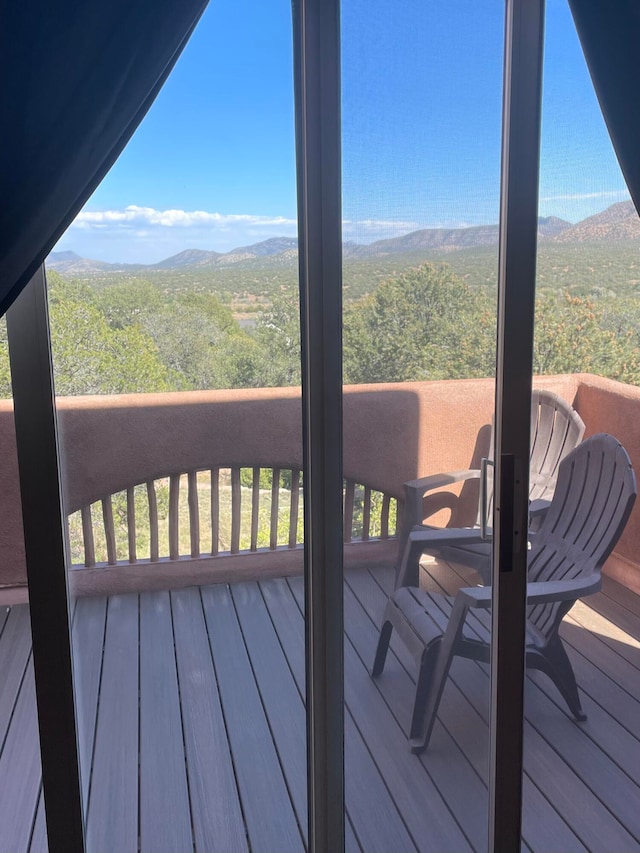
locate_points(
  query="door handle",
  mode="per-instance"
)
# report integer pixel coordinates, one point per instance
(512, 536)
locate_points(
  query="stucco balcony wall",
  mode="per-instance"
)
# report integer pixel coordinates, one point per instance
(392, 433)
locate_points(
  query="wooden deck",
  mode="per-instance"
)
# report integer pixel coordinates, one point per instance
(192, 729)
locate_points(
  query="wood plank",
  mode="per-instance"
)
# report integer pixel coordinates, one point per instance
(443, 778)
(39, 843)
(15, 648)
(607, 632)
(464, 710)
(597, 780)
(20, 772)
(165, 819)
(217, 816)
(464, 719)
(623, 595)
(377, 819)
(280, 696)
(112, 815)
(87, 642)
(4, 615)
(269, 814)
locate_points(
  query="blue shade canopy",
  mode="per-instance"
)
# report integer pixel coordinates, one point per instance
(78, 77)
(610, 38)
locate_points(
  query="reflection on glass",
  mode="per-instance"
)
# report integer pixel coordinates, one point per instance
(422, 95)
(581, 776)
(174, 324)
(21, 808)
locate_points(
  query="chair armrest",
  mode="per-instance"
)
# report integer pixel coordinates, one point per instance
(544, 591)
(537, 593)
(415, 490)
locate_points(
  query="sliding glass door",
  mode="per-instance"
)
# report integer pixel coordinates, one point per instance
(402, 258)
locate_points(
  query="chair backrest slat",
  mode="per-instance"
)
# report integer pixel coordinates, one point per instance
(556, 428)
(595, 493)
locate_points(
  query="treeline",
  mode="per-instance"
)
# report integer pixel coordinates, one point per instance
(422, 324)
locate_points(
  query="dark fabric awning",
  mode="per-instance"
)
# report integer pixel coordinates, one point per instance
(610, 38)
(77, 77)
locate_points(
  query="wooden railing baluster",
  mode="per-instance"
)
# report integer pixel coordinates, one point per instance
(255, 508)
(215, 510)
(87, 536)
(294, 508)
(275, 508)
(109, 530)
(194, 513)
(349, 496)
(372, 519)
(235, 510)
(366, 514)
(174, 516)
(131, 525)
(153, 522)
(384, 517)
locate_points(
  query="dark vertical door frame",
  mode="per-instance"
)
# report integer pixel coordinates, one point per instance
(316, 31)
(45, 544)
(517, 278)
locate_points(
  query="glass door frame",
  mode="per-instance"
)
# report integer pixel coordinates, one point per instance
(317, 94)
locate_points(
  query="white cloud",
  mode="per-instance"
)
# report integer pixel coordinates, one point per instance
(581, 196)
(135, 216)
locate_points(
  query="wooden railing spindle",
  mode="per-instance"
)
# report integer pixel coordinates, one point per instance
(351, 491)
(294, 508)
(235, 510)
(131, 525)
(174, 516)
(109, 530)
(215, 510)
(153, 522)
(349, 496)
(255, 508)
(275, 508)
(384, 517)
(87, 537)
(194, 513)
(366, 514)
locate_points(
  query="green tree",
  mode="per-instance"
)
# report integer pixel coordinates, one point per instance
(90, 357)
(573, 335)
(423, 324)
(278, 335)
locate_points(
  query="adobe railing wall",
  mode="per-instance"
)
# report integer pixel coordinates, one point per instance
(392, 433)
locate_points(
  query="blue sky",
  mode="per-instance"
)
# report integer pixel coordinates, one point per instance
(212, 164)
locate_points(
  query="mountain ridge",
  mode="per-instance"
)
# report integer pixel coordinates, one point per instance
(617, 222)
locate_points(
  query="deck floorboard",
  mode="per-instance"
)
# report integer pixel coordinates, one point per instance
(192, 728)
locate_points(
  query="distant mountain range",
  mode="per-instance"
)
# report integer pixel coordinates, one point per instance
(618, 222)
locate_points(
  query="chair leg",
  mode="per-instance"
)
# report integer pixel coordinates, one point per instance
(561, 672)
(423, 684)
(408, 573)
(436, 677)
(383, 646)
